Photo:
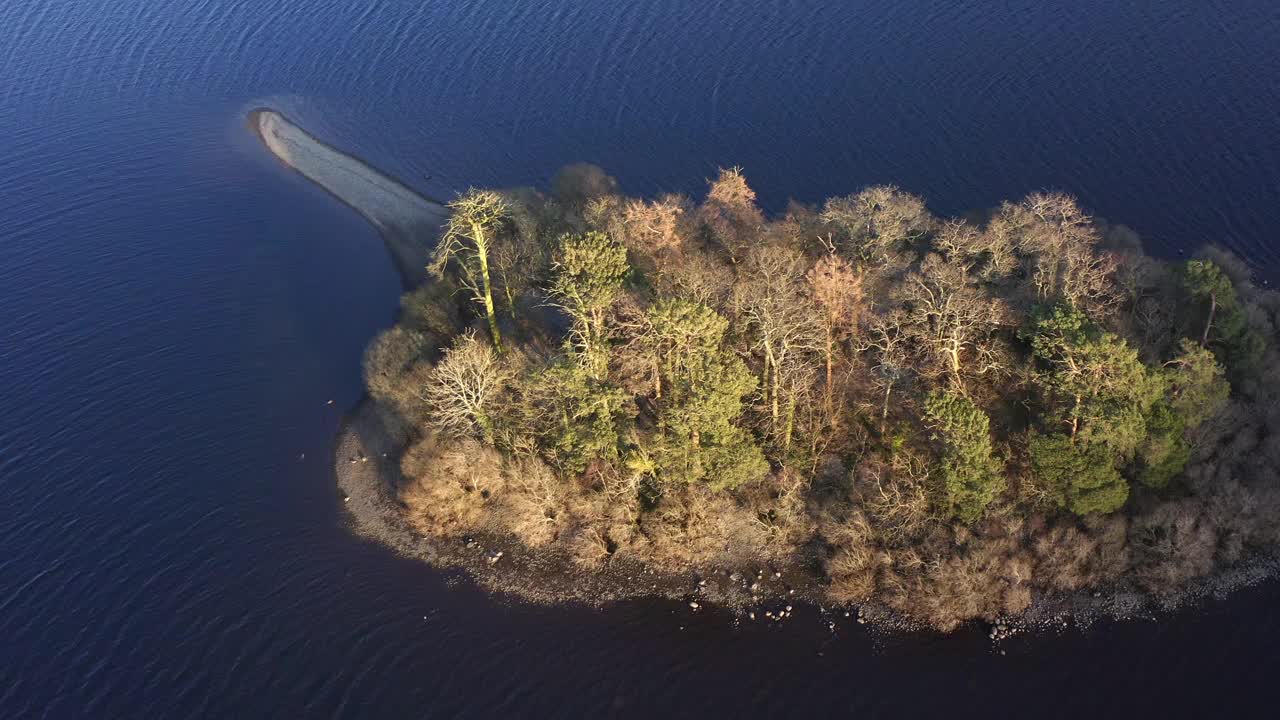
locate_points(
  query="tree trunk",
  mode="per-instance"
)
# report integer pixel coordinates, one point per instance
(953, 353)
(791, 423)
(1213, 309)
(884, 415)
(827, 399)
(771, 383)
(1075, 419)
(482, 251)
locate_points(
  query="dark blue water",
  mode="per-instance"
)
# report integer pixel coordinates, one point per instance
(176, 309)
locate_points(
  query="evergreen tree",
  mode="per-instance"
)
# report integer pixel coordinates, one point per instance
(590, 270)
(971, 476)
(702, 383)
(576, 417)
(1094, 385)
(1226, 325)
(1081, 478)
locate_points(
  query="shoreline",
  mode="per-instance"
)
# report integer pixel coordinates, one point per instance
(367, 450)
(366, 461)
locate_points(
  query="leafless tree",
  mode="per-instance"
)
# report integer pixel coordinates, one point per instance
(786, 331)
(731, 214)
(460, 392)
(1058, 245)
(951, 312)
(836, 288)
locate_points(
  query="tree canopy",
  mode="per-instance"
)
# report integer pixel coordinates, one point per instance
(943, 414)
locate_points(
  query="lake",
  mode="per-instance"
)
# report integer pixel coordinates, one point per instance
(179, 308)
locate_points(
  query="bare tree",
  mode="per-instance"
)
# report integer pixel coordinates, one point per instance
(786, 331)
(473, 227)
(889, 345)
(461, 391)
(1058, 246)
(877, 226)
(951, 312)
(731, 214)
(836, 288)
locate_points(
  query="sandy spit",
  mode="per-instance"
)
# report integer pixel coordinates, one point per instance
(408, 221)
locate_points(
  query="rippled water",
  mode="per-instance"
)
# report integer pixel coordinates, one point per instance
(178, 308)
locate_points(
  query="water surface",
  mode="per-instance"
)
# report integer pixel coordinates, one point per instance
(178, 309)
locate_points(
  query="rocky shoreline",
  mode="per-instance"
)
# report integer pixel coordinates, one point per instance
(367, 468)
(366, 461)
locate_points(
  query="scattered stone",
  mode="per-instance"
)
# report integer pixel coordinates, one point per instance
(694, 605)
(329, 403)
(788, 608)
(777, 575)
(735, 577)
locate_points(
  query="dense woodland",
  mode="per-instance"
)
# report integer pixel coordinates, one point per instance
(944, 416)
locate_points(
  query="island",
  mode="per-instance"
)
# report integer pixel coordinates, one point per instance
(1012, 416)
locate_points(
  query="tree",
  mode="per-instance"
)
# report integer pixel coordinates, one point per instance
(837, 291)
(1206, 282)
(580, 183)
(462, 391)
(701, 387)
(971, 476)
(1094, 384)
(1079, 477)
(575, 416)
(1226, 325)
(654, 227)
(953, 316)
(590, 270)
(876, 225)
(388, 362)
(731, 214)
(468, 241)
(1198, 388)
(518, 257)
(1057, 245)
(1197, 391)
(784, 329)
(885, 338)
(1164, 454)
